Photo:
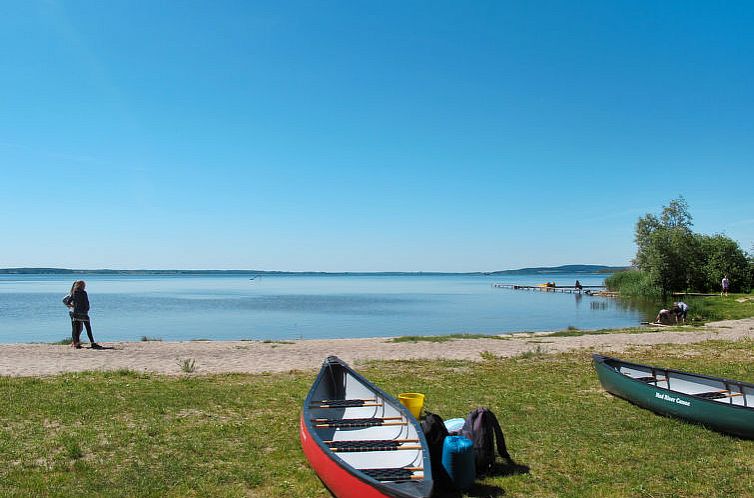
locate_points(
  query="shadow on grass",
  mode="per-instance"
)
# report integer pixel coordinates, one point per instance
(480, 490)
(511, 469)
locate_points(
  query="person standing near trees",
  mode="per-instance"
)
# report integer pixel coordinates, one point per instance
(726, 285)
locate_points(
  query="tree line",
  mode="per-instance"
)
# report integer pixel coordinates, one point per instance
(671, 257)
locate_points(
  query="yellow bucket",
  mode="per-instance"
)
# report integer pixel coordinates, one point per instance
(413, 401)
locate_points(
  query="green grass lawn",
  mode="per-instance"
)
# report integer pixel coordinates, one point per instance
(722, 308)
(129, 434)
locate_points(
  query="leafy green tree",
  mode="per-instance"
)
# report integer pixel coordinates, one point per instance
(673, 258)
(666, 248)
(676, 215)
(723, 257)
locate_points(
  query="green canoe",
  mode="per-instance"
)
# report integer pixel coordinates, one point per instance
(721, 404)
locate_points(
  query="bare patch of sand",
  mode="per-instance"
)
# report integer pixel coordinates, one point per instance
(257, 357)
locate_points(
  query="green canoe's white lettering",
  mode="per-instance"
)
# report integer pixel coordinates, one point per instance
(671, 399)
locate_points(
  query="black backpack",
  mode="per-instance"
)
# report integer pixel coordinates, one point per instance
(435, 433)
(483, 429)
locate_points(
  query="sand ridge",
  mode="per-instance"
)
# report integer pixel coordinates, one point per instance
(257, 357)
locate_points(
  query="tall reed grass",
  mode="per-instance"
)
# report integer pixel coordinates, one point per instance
(632, 283)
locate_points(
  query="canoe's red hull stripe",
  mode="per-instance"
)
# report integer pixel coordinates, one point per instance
(341, 483)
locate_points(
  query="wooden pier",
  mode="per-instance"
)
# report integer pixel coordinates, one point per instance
(589, 290)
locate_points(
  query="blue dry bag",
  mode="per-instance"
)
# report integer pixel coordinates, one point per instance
(458, 461)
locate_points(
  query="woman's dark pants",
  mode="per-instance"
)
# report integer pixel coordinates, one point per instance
(77, 326)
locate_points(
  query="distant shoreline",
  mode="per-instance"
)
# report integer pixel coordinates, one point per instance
(565, 269)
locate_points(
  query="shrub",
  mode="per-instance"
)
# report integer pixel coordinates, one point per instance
(632, 283)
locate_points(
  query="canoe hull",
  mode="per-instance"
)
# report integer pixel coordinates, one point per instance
(339, 481)
(332, 437)
(723, 417)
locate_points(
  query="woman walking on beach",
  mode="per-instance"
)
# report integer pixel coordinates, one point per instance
(79, 302)
(68, 301)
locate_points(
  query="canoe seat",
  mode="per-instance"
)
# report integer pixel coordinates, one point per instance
(713, 395)
(344, 403)
(370, 445)
(390, 474)
(648, 379)
(353, 422)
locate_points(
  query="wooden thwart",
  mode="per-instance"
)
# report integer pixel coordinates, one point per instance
(346, 420)
(348, 450)
(365, 405)
(365, 400)
(361, 425)
(352, 423)
(357, 445)
(396, 440)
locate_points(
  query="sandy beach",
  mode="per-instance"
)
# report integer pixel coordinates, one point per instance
(256, 357)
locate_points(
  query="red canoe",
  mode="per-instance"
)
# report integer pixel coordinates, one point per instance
(361, 441)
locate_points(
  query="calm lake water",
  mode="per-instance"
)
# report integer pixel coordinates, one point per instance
(293, 307)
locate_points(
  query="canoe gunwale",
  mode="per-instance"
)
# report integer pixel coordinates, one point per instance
(720, 416)
(386, 487)
(601, 359)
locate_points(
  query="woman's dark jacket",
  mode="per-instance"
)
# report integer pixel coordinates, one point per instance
(80, 304)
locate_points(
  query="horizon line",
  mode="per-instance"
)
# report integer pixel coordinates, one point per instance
(44, 269)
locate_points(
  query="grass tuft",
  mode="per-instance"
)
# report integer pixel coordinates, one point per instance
(127, 372)
(71, 447)
(187, 365)
(488, 356)
(66, 341)
(537, 352)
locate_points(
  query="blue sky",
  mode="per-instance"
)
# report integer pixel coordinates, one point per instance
(368, 136)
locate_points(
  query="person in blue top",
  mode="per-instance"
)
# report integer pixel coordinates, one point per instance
(681, 310)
